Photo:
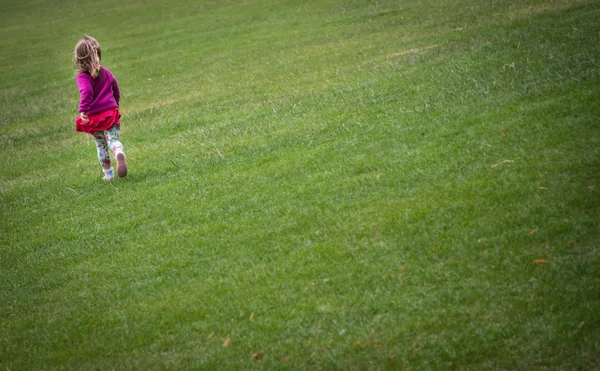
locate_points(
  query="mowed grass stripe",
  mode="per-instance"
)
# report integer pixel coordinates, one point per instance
(329, 205)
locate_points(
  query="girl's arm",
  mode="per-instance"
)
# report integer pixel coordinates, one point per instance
(84, 83)
(116, 91)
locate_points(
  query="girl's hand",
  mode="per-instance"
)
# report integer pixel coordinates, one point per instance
(84, 117)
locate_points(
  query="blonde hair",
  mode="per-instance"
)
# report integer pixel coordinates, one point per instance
(87, 55)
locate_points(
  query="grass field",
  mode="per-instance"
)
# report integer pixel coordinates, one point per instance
(341, 184)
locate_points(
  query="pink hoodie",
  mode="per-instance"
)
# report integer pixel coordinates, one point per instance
(98, 94)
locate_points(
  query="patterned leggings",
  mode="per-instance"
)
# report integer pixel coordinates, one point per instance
(105, 139)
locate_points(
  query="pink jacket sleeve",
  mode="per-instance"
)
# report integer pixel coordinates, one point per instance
(84, 84)
(116, 91)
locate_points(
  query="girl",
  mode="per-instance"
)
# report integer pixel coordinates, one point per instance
(99, 105)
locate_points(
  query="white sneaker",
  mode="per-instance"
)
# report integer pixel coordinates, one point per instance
(121, 164)
(108, 174)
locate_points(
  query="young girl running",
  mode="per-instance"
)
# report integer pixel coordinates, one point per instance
(99, 105)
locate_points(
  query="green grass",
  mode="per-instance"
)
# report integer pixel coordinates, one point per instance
(347, 184)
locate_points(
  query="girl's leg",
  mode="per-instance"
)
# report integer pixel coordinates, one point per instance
(103, 155)
(102, 148)
(113, 135)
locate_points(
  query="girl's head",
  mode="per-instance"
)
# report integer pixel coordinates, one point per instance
(87, 55)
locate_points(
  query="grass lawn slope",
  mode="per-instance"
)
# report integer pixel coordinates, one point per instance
(341, 184)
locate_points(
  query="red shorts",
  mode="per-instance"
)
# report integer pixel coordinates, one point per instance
(99, 122)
